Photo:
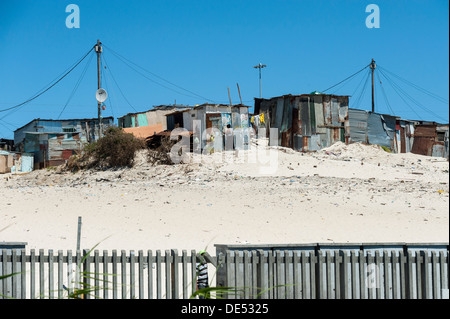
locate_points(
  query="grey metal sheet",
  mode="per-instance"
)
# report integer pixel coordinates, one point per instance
(358, 125)
(377, 130)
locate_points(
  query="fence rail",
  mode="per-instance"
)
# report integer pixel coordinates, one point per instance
(268, 274)
(118, 275)
(335, 274)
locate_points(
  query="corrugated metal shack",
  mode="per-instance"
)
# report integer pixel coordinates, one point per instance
(88, 129)
(374, 128)
(306, 122)
(15, 162)
(213, 117)
(6, 144)
(399, 135)
(51, 149)
(431, 139)
(153, 117)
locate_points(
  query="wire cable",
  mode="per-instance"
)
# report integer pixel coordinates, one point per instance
(125, 60)
(347, 78)
(384, 93)
(411, 98)
(48, 88)
(76, 85)
(358, 99)
(437, 97)
(114, 79)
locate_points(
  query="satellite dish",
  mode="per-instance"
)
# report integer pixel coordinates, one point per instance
(101, 95)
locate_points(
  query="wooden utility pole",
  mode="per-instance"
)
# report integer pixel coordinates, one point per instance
(98, 49)
(239, 91)
(372, 67)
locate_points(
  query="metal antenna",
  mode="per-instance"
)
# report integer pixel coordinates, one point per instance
(260, 66)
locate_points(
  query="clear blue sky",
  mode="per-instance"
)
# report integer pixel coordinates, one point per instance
(207, 46)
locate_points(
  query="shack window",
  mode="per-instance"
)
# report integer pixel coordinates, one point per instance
(441, 136)
(69, 129)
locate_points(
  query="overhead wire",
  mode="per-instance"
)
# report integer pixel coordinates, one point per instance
(437, 97)
(397, 91)
(384, 93)
(358, 99)
(49, 87)
(77, 84)
(347, 78)
(128, 62)
(107, 86)
(114, 79)
(411, 98)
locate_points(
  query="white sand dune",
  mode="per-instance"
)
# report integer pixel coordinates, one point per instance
(344, 193)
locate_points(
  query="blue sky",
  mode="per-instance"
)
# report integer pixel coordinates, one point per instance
(206, 46)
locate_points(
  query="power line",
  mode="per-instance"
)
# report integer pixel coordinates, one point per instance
(122, 58)
(384, 93)
(396, 91)
(437, 97)
(347, 78)
(107, 87)
(358, 99)
(412, 99)
(120, 90)
(76, 85)
(48, 88)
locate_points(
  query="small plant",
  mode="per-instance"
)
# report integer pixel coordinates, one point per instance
(386, 149)
(115, 149)
(160, 155)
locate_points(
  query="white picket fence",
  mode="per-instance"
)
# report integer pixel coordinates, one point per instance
(267, 274)
(116, 275)
(335, 274)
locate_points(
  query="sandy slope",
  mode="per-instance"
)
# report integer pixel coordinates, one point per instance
(353, 193)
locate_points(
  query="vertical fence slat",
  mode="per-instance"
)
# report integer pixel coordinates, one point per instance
(313, 262)
(305, 292)
(158, 274)
(337, 285)
(174, 274)
(354, 277)
(262, 276)
(403, 274)
(362, 274)
(105, 275)
(14, 271)
(141, 273)
(425, 272)
(96, 274)
(387, 292)
(150, 273)
(395, 263)
(60, 274)
(378, 274)
(41, 273)
(419, 274)
(114, 273)
(328, 291)
(123, 275)
(271, 277)
(435, 281)
(50, 274)
(254, 267)
(322, 275)
(184, 273)
(132, 275)
(167, 272)
(442, 269)
(194, 270)
(296, 274)
(246, 275)
(23, 270)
